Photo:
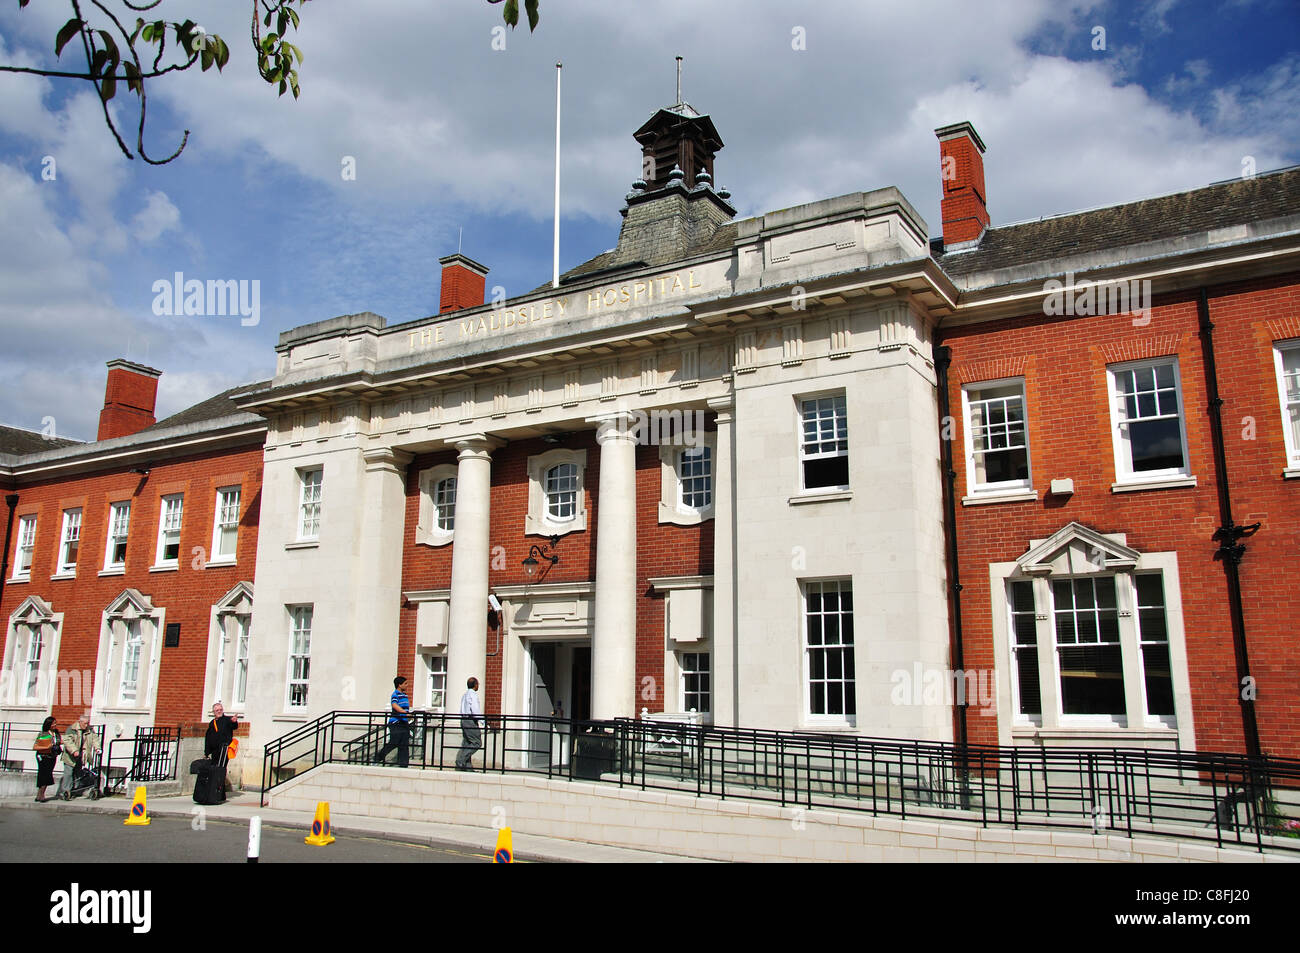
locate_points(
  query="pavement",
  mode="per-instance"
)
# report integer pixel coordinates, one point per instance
(240, 807)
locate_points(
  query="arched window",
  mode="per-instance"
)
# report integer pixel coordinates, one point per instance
(444, 504)
(561, 487)
(695, 477)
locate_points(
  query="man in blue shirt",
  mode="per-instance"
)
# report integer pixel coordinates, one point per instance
(399, 727)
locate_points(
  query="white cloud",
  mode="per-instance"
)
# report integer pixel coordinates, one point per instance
(156, 218)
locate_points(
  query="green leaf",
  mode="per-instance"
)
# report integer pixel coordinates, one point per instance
(69, 30)
(139, 25)
(206, 58)
(533, 15)
(293, 15)
(133, 82)
(223, 53)
(511, 12)
(97, 62)
(108, 87)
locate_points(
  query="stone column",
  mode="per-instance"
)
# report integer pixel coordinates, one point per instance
(613, 642)
(726, 701)
(467, 612)
(377, 586)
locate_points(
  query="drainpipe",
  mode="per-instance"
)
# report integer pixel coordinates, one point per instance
(11, 501)
(942, 359)
(1229, 534)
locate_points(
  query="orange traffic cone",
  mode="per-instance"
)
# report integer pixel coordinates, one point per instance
(505, 853)
(320, 834)
(138, 815)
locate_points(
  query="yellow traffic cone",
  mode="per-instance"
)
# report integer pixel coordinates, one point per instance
(138, 816)
(320, 826)
(505, 852)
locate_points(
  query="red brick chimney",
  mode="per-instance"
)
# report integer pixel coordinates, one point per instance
(463, 281)
(961, 161)
(129, 399)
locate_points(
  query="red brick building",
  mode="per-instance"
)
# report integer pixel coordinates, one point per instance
(129, 564)
(1114, 393)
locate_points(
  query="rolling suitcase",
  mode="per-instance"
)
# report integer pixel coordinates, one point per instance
(210, 782)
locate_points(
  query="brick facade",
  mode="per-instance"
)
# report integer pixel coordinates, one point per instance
(187, 593)
(1063, 362)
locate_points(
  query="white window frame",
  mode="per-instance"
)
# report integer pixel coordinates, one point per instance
(25, 542)
(560, 487)
(310, 503)
(71, 533)
(1290, 438)
(119, 528)
(801, 411)
(164, 507)
(1052, 727)
(683, 672)
(1107, 720)
(134, 636)
(539, 522)
(221, 521)
(974, 488)
(31, 679)
(239, 680)
(672, 508)
(847, 678)
(297, 615)
(427, 529)
(1124, 472)
(432, 673)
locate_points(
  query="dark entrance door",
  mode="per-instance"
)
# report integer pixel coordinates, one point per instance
(543, 702)
(582, 683)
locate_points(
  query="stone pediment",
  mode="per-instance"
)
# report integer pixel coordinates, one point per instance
(238, 600)
(32, 610)
(1076, 549)
(131, 604)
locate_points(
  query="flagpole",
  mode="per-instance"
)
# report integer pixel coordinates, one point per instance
(555, 267)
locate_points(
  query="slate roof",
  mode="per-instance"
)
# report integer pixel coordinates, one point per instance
(1266, 196)
(214, 408)
(16, 441)
(721, 240)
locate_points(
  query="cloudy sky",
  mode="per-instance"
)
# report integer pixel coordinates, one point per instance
(448, 132)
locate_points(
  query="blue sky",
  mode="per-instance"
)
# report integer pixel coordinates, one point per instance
(449, 133)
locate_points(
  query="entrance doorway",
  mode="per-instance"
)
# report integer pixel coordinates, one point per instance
(560, 687)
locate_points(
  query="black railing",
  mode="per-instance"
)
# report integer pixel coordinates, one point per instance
(1229, 799)
(16, 742)
(149, 755)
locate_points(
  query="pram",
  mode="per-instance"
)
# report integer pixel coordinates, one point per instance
(84, 779)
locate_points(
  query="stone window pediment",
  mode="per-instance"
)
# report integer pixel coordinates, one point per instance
(1076, 550)
(131, 604)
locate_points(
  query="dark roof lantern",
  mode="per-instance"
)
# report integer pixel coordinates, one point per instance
(677, 136)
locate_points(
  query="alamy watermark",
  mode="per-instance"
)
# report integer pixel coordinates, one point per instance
(974, 688)
(179, 296)
(671, 428)
(1098, 297)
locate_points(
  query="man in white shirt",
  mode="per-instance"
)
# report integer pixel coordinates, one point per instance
(471, 718)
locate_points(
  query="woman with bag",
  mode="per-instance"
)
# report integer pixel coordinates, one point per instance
(47, 748)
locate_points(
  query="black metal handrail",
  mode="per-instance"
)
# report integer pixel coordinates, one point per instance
(150, 755)
(1226, 798)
